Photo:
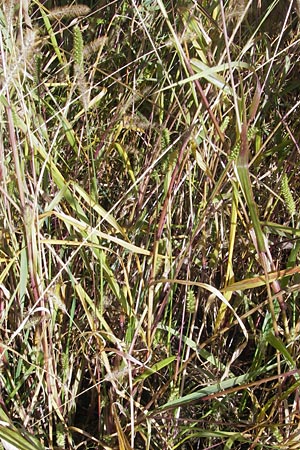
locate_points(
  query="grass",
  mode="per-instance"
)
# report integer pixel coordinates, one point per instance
(149, 155)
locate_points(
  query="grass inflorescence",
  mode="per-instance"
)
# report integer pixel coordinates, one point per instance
(149, 283)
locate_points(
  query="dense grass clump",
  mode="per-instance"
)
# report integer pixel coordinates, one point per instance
(149, 212)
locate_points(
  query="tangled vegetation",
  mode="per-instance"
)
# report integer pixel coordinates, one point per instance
(149, 220)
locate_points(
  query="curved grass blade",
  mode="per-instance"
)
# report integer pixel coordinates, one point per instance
(12, 438)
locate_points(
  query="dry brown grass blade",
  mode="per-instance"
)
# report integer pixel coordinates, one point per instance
(251, 283)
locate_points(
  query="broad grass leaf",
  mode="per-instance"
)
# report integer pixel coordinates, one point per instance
(204, 392)
(154, 369)
(277, 343)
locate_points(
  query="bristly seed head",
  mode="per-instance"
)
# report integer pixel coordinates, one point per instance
(287, 195)
(69, 12)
